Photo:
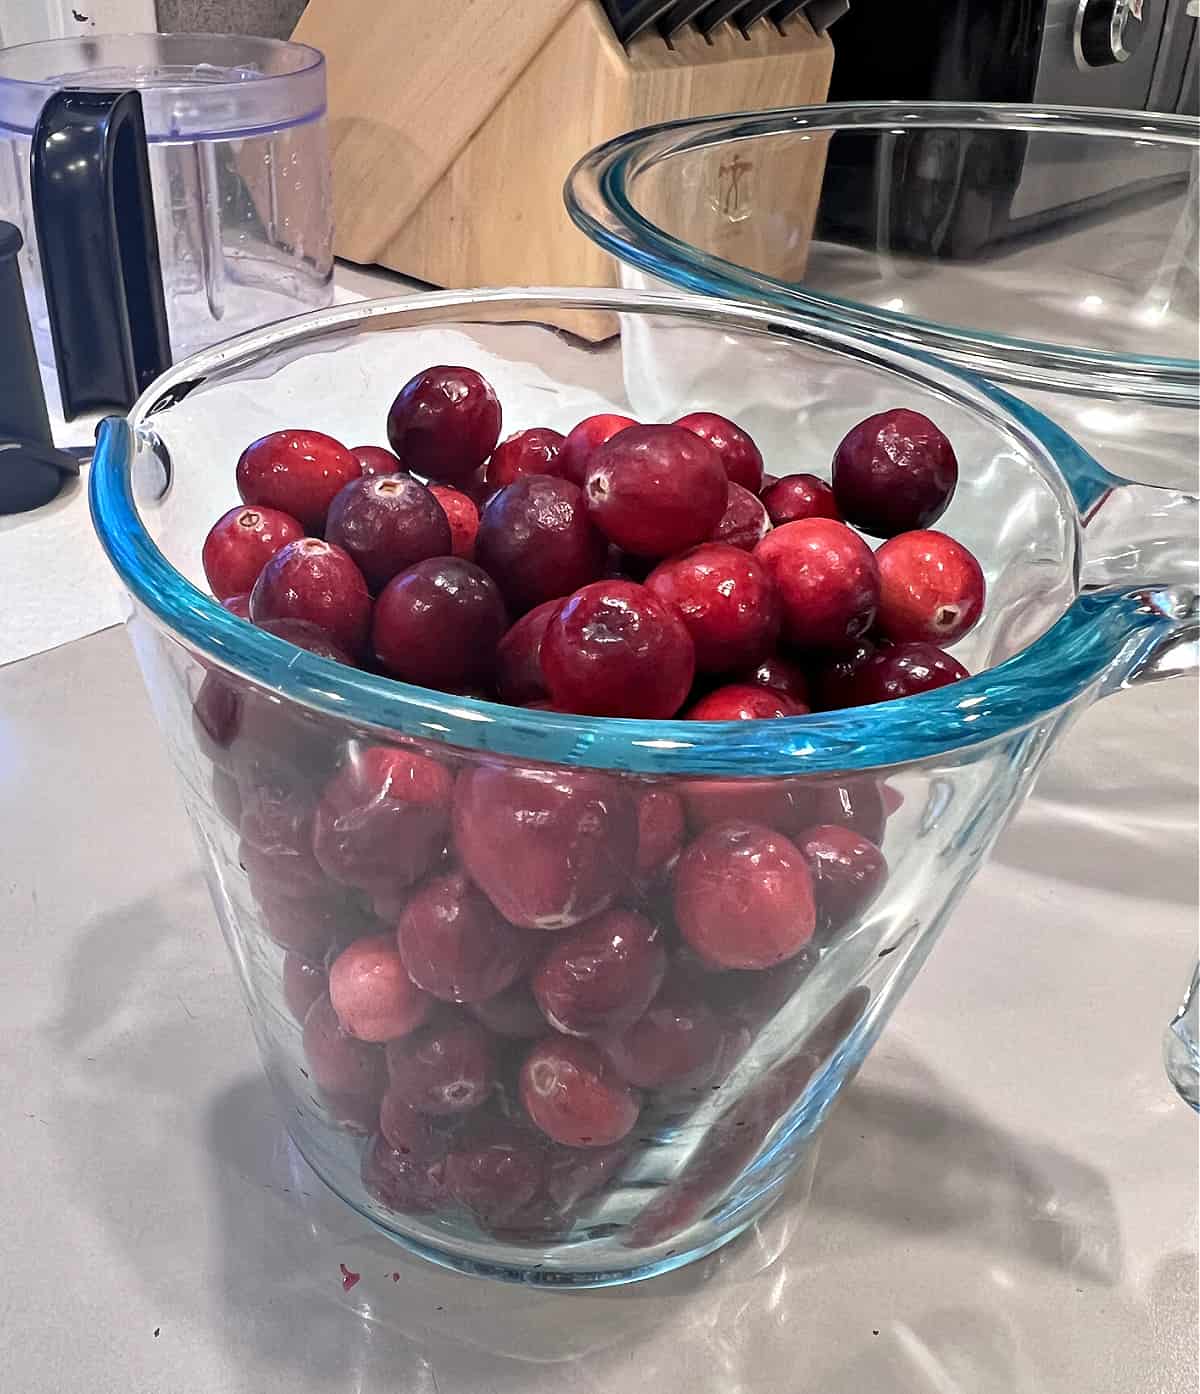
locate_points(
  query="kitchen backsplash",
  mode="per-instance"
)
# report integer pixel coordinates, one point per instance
(273, 18)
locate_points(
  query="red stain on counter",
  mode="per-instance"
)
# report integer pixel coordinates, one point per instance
(348, 1278)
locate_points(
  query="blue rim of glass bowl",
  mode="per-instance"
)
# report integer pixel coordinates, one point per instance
(597, 195)
(1071, 657)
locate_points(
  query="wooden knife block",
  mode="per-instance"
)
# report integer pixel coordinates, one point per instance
(452, 132)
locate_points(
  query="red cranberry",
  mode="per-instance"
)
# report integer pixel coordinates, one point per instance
(797, 496)
(654, 490)
(303, 982)
(768, 481)
(740, 456)
(678, 1041)
(238, 605)
(309, 924)
(241, 543)
(776, 802)
(462, 513)
(660, 829)
(574, 1095)
(827, 580)
(406, 1130)
(573, 1175)
(374, 460)
(600, 977)
(316, 581)
(446, 1068)
(744, 896)
(782, 675)
(495, 1169)
(584, 439)
(276, 836)
(340, 1063)
(725, 599)
(513, 1014)
(374, 998)
(549, 848)
(854, 803)
(444, 423)
(310, 637)
(438, 624)
(297, 472)
(519, 677)
(835, 674)
(528, 452)
(743, 702)
(386, 524)
(893, 472)
(848, 872)
(930, 588)
(402, 1181)
(744, 523)
(536, 541)
(902, 670)
(456, 946)
(615, 650)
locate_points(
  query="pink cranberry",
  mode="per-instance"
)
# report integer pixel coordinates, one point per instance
(438, 624)
(654, 490)
(536, 541)
(743, 702)
(781, 674)
(494, 1169)
(446, 1068)
(848, 872)
(372, 995)
(902, 670)
(574, 1095)
(893, 472)
(584, 439)
(527, 452)
(835, 674)
(462, 513)
(744, 523)
(405, 1182)
(315, 581)
(678, 1041)
(931, 588)
(549, 848)
(797, 496)
(725, 599)
(744, 896)
(386, 524)
(600, 977)
(513, 1013)
(444, 423)
(613, 649)
(456, 946)
(827, 580)
(303, 982)
(740, 456)
(241, 543)
(519, 677)
(340, 1064)
(297, 472)
(660, 829)
(374, 460)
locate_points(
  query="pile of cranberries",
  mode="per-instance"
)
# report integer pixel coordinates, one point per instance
(504, 972)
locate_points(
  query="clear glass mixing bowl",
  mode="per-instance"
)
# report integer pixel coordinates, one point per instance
(1092, 586)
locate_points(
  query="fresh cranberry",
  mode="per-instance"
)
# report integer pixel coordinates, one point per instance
(852, 802)
(438, 624)
(930, 588)
(797, 496)
(549, 848)
(848, 872)
(455, 944)
(660, 829)
(297, 472)
(444, 423)
(744, 523)
(241, 543)
(494, 1169)
(276, 834)
(893, 472)
(316, 581)
(573, 1174)
(375, 460)
(382, 819)
(743, 702)
(835, 674)
(406, 1129)
(303, 982)
(373, 996)
(744, 896)
(740, 456)
(386, 524)
(310, 637)
(614, 649)
(902, 670)
(513, 1014)
(574, 1095)
(600, 977)
(310, 923)
(238, 605)
(780, 674)
(654, 490)
(725, 599)
(446, 1068)
(340, 1063)
(536, 541)
(678, 1041)
(776, 802)
(827, 580)
(519, 679)
(768, 481)
(462, 513)
(528, 452)
(584, 439)
(402, 1181)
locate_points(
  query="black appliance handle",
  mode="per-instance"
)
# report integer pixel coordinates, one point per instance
(94, 213)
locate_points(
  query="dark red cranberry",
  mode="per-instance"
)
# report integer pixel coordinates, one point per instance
(775, 802)
(572, 1175)
(744, 523)
(678, 1041)
(585, 438)
(527, 452)
(462, 513)
(781, 674)
(848, 872)
(853, 802)
(438, 624)
(744, 897)
(241, 543)
(375, 460)
(600, 977)
(513, 1014)
(574, 1095)
(310, 637)
(654, 490)
(893, 472)
(310, 923)
(315, 581)
(372, 994)
(835, 674)
(494, 1169)
(455, 944)
(902, 670)
(536, 541)
(407, 1130)
(827, 580)
(549, 848)
(448, 1067)
(725, 599)
(386, 524)
(743, 702)
(297, 472)
(519, 679)
(768, 481)
(276, 834)
(740, 456)
(660, 829)
(931, 588)
(444, 423)
(238, 605)
(797, 496)
(303, 982)
(406, 1182)
(613, 649)
(340, 1063)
